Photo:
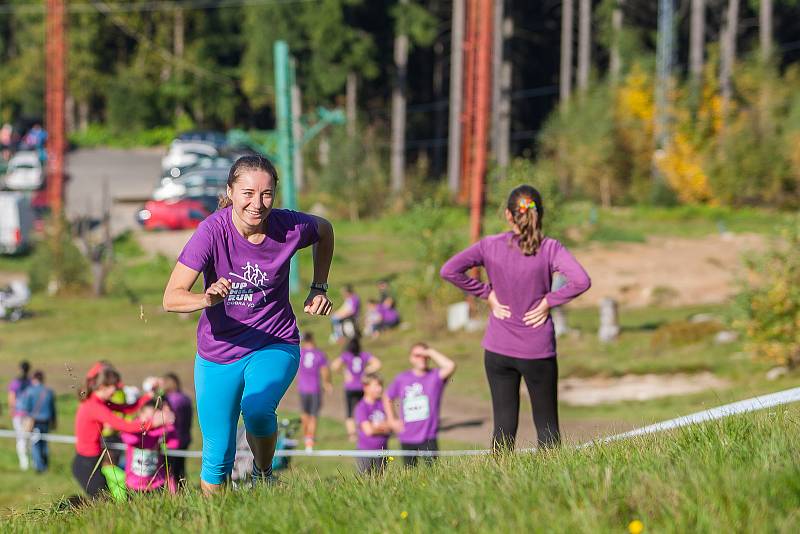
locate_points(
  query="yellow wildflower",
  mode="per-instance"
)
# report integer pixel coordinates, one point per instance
(403, 515)
(635, 527)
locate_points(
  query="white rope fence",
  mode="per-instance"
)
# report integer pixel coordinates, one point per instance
(761, 402)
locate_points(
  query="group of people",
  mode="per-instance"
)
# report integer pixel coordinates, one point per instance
(146, 424)
(32, 406)
(248, 343)
(409, 408)
(381, 314)
(10, 139)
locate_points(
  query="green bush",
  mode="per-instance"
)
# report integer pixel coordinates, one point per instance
(769, 302)
(70, 271)
(679, 333)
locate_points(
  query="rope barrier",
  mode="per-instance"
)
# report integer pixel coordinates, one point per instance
(761, 402)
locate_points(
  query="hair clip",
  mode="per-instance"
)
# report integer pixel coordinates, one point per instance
(525, 204)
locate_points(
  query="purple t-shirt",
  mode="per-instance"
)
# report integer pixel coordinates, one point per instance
(355, 366)
(372, 412)
(389, 315)
(181, 404)
(257, 312)
(308, 377)
(420, 398)
(18, 386)
(520, 282)
(355, 304)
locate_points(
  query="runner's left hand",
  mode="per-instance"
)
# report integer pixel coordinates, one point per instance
(538, 315)
(317, 303)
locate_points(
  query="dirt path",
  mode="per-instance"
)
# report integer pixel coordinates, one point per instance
(666, 270)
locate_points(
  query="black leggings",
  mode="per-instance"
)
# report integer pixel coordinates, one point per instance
(541, 377)
(90, 479)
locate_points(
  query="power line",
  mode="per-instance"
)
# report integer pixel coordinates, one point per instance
(167, 5)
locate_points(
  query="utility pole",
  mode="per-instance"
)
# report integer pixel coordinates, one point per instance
(456, 93)
(398, 158)
(56, 89)
(468, 112)
(483, 90)
(283, 104)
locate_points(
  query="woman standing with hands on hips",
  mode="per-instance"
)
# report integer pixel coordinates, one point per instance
(247, 338)
(520, 340)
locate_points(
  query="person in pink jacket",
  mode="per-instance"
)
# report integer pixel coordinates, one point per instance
(520, 340)
(146, 468)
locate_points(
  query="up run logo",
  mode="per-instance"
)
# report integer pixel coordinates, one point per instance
(251, 280)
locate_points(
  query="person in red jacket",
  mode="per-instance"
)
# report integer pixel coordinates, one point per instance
(93, 412)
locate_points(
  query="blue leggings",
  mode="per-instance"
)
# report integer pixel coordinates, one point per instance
(252, 386)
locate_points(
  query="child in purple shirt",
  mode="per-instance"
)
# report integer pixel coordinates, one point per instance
(520, 339)
(354, 363)
(373, 425)
(312, 376)
(418, 392)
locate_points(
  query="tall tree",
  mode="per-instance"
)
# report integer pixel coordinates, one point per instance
(765, 9)
(728, 48)
(615, 59)
(697, 43)
(565, 79)
(584, 43)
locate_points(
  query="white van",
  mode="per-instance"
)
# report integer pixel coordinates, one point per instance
(16, 222)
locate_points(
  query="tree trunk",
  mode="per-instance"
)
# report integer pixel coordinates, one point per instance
(297, 135)
(584, 44)
(178, 48)
(565, 79)
(765, 28)
(456, 95)
(83, 115)
(615, 61)
(351, 103)
(440, 112)
(697, 45)
(398, 162)
(728, 47)
(69, 105)
(501, 88)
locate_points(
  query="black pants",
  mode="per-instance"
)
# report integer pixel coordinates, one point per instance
(91, 481)
(541, 377)
(428, 445)
(177, 467)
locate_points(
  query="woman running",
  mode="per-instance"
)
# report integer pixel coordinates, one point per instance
(355, 363)
(520, 341)
(247, 337)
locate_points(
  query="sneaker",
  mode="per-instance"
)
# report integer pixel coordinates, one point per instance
(260, 477)
(309, 444)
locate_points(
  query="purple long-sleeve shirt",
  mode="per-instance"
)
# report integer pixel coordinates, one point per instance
(519, 282)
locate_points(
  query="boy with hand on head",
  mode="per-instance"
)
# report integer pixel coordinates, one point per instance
(418, 392)
(373, 426)
(146, 468)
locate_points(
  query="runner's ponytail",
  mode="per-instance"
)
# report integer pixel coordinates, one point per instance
(527, 211)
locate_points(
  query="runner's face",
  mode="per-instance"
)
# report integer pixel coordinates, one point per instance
(253, 195)
(373, 389)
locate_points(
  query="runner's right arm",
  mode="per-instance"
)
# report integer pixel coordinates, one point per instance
(178, 296)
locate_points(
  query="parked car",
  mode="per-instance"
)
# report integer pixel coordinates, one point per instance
(176, 214)
(16, 222)
(25, 172)
(185, 153)
(212, 137)
(194, 183)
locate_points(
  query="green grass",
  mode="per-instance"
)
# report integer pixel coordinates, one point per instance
(740, 474)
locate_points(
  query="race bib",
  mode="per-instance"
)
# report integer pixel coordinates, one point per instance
(356, 365)
(144, 462)
(416, 408)
(308, 360)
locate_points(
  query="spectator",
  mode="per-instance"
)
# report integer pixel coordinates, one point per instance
(344, 320)
(147, 468)
(373, 427)
(354, 363)
(39, 403)
(15, 390)
(183, 408)
(313, 377)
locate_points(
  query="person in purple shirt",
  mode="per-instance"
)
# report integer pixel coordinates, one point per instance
(373, 425)
(520, 339)
(247, 339)
(183, 408)
(354, 363)
(15, 390)
(418, 393)
(344, 321)
(313, 377)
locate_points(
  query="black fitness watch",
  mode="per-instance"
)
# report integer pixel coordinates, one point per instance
(320, 286)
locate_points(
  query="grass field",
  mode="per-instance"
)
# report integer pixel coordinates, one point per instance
(66, 334)
(738, 475)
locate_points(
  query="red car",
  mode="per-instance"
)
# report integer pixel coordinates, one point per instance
(178, 214)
